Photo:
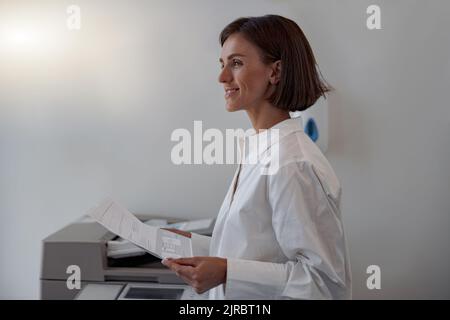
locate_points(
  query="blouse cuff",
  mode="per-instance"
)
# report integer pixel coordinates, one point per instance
(248, 279)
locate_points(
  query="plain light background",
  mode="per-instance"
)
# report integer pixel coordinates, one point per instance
(89, 113)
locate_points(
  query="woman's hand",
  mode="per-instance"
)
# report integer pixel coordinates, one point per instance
(202, 273)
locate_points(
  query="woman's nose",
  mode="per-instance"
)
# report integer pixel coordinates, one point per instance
(225, 75)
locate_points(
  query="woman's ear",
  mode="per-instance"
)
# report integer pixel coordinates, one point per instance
(275, 75)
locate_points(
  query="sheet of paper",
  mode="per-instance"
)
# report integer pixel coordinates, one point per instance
(172, 245)
(161, 243)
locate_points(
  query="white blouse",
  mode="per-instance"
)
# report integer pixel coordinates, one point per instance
(282, 233)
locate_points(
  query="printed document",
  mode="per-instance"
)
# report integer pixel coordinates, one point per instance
(160, 243)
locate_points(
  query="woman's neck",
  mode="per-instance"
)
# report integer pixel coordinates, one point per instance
(266, 116)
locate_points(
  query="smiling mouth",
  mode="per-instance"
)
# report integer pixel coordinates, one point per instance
(230, 92)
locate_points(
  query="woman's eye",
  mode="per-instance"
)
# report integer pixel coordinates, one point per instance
(236, 63)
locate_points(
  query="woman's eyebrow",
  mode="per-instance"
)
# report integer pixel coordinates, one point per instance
(231, 56)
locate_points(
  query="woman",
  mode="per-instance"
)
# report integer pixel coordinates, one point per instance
(277, 235)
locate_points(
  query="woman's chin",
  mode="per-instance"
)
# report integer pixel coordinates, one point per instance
(232, 107)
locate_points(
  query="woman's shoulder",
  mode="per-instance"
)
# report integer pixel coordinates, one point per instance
(299, 154)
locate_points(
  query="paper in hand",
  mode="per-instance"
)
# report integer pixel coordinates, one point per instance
(160, 243)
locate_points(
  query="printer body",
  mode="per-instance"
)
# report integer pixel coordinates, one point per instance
(83, 246)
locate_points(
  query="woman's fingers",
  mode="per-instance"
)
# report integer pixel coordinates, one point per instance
(181, 270)
(184, 271)
(187, 261)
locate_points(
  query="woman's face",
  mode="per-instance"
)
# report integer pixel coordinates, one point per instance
(244, 76)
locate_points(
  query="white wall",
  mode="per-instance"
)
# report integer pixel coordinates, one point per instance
(90, 113)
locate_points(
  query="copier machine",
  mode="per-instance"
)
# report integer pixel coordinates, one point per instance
(110, 267)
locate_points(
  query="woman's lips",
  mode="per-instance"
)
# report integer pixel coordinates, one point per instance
(231, 92)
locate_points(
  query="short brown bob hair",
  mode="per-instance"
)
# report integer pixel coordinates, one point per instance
(279, 38)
